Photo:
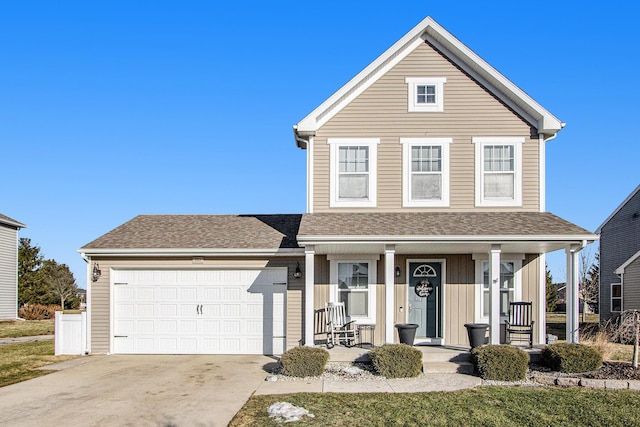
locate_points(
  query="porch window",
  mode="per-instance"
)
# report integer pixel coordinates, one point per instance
(353, 283)
(353, 172)
(507, 287)
(426, 171)
(353, 288)
(499, 171)
(616, 297)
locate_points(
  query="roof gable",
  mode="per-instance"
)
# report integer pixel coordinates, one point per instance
(620, 270)
(430, 31)
(615, 212)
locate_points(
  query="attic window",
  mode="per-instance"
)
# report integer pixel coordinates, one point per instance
(425, 94)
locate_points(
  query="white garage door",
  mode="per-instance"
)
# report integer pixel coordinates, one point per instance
(199, 311)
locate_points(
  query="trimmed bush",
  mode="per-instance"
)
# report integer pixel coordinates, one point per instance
(304, 361)
(566, 357)
(500, 362)
(397, 361)
(38, 311)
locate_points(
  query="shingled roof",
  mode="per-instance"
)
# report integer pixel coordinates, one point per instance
(438, 224)
(5, 220)
(202, 232)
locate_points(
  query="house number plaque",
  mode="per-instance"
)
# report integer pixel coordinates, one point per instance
(424, 288)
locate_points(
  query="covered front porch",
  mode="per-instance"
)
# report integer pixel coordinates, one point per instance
(439, 280)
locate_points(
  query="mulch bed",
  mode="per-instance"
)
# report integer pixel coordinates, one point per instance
(614, 371)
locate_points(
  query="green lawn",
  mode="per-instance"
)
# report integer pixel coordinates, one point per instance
(557, 324)
(18, 362)
(483, 406)
(12, 329)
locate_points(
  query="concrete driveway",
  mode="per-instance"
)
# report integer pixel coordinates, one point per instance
(120, 390)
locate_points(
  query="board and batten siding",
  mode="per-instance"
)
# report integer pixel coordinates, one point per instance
(469, 111)
(100, 310)
(619, 240)
(460, 293)
(631, 286)
(8, 272)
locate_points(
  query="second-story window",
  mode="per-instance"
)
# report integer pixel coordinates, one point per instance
(426, 172)
(353, 172)
(498, 171)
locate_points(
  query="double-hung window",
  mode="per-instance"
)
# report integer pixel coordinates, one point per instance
(498, 171)
(425, 171)
(510, 286)
(354, 285)
(353, 172)
(616, 297)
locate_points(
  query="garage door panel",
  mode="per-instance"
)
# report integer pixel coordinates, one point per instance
(199, 311)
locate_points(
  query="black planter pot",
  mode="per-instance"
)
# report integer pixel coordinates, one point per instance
(477, 333)
(407, 332)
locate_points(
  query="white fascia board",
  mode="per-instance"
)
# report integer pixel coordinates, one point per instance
(190, 252)
(431, 31)
(629, 197)
(545, 122)
(579, 239)
(12, 223)
(620, 270)
(398, 51)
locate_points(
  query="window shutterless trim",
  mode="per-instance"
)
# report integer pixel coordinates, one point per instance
(480, 143)
(334, 172)
(616, 298)
(412, 94)
(407, 144)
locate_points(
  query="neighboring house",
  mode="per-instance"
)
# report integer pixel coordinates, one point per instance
(9, 267)
(425, 175)
(619, 263)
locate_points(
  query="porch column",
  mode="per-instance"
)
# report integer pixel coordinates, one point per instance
(389, 287)
(571, 294)
(309, 312)
(494, 294)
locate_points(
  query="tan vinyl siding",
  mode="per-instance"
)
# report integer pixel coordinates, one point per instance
(100, 310)
(469, 111)
(8, 272)
(631, 286)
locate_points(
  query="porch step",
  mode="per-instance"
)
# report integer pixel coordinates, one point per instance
(447, 367)
(341, 354)
(433, 354)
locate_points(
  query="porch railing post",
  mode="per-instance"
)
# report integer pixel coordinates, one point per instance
(309, 273)
(389, 286)
(494, 294)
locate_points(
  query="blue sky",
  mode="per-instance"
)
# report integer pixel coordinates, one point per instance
(110, 110)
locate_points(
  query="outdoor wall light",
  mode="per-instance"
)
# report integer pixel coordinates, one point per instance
(297, 274)
(397, 271)
(96, 273)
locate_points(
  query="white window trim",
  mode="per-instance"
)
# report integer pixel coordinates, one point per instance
(373, 280)
(516, 259)
(407, 143)
(480, 143)
(413, 83)
(335, 144)
(612, 297)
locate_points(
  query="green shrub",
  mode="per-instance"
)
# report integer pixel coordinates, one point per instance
(38, 311)
(304, 361)
(500, 362)
(566, 357)
(397, 361)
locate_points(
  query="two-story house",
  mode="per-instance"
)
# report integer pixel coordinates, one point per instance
(620, 259)
(425, 204)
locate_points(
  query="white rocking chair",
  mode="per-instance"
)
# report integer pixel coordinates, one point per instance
(339, 331)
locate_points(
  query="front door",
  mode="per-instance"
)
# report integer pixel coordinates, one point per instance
(425, 298)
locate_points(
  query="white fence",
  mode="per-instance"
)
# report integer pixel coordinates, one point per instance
(71, 333)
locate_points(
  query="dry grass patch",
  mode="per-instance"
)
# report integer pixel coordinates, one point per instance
(27, 328)
(19, 362)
